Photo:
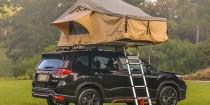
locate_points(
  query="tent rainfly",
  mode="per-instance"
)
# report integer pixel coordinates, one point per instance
(99, 21)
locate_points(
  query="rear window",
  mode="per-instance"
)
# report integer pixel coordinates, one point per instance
(51, 62)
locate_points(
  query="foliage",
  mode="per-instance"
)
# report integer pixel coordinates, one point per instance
(174, 56)
(184, 17)
(3, 8)
(203, 53)
(30, 31)
(25, 66)
(5, 64)
(51, 48)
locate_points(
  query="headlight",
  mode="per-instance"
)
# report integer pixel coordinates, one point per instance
(180, 77)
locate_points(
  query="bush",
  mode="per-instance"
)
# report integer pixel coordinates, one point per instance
(174, 56)
(24, 67)
(199, 75)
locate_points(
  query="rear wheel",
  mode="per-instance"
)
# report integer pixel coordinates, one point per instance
(62, 103)
(130, 103)
(89, 96)
(168, 96)
(51, 102)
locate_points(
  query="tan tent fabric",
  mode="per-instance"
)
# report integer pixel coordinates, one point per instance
(112, 7)
(109, 21)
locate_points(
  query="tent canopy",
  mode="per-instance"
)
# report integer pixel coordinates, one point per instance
(100, 21)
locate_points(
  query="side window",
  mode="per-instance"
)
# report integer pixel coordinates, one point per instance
(82, 61)
(105, 62)
(133, 67)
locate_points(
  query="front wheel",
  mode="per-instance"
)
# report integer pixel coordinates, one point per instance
(168, 96)
(89, 96)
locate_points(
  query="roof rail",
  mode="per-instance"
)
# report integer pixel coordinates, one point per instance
(94, 47)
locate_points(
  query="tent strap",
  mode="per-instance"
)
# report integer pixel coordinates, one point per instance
(126, 24)
(148, 30)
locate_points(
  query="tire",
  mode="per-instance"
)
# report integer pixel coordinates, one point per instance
(167, 96)
(51, 102)
(62, 103)
(130, 103)
(89, 96)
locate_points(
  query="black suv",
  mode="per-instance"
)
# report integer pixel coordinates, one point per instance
(93, 77)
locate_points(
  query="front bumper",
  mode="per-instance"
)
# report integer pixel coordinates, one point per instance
(182, 95)
(182, 90)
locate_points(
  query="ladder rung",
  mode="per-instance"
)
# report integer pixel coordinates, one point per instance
(134, 63)
(129, 61)
(139, 86)
(142, 98)
(133, 57)
(137, 74)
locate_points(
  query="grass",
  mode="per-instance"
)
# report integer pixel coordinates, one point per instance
(197, 93)
(5, 64)
(18, 92)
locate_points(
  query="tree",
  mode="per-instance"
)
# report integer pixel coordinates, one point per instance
(8, 8)
(194, 22)
(174, 56)
(203, 53)
(3, 6)
(30, 31)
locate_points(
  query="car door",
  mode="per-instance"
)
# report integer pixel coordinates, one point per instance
(106, 73)
(151, 78)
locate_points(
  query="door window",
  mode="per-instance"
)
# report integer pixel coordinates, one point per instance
(81, 63)
(82, 60)
(105, 62)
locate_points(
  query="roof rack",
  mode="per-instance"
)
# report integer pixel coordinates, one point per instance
(94, 47)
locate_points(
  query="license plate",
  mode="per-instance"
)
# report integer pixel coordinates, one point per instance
(43, 77)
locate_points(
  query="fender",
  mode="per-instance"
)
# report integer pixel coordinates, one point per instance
(90, 83)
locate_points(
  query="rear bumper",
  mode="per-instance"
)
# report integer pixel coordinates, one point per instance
(47, 93)
(42, 92)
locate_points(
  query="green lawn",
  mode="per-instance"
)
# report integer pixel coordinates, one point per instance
(18, 92)
(5, 65)
(198, 93)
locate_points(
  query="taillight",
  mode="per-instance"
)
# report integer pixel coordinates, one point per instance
(59, 97)
(62, 73)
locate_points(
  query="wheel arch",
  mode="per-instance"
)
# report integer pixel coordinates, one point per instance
(168, 83)
(93, 85)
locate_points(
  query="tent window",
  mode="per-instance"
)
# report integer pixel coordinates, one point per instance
(76, 28)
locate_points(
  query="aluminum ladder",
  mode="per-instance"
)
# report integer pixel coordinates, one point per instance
(133, 86)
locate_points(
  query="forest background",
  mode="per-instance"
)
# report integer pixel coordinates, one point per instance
(25, 33)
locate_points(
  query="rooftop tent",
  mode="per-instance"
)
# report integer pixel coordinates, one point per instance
(100, 21)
